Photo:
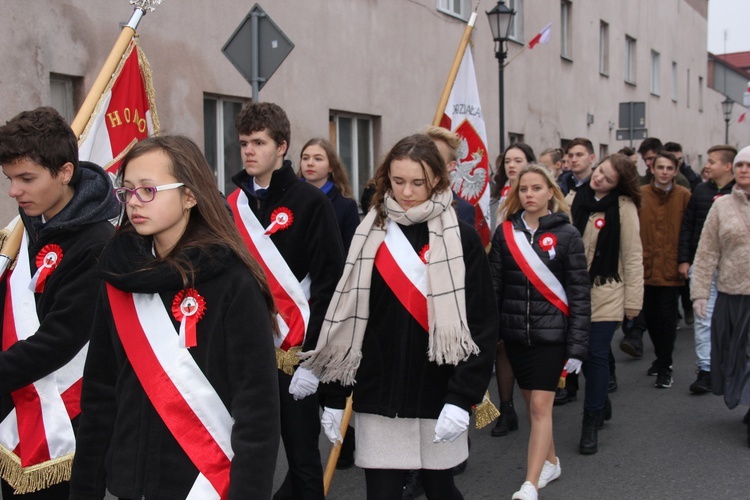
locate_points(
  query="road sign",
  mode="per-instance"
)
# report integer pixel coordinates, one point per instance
(626, 134)
(257, 48)
(632, 115)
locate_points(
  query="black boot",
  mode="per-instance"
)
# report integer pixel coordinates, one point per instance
(346, 457)
(606, 414)
(632, 344)
(508, 420)
(589, 437)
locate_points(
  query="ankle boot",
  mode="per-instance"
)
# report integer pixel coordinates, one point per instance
(606, 414)
(589, 437)
(508, 420)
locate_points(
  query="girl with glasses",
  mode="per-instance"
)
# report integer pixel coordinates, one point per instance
(180, 389)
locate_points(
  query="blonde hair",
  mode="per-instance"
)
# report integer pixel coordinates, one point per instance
(443, 134)
(556, 204)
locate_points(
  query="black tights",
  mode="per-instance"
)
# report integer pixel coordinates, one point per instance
(388, 484)
(506, 379)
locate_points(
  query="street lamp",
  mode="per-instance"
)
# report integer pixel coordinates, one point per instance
(726, 107)
(501, 19)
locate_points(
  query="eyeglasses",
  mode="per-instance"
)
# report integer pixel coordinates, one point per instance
(145, 194)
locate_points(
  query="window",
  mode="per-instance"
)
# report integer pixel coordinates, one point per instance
(63, 91)
(687, 94)
(354, 142)
(220, 139)
(674, 81)
(456, 8)
(564, 144)
(604, 48)
(655, 73)
(700, 94)
(566, 8)
(515, 138)
(630, 60)
(516, 26)
(603, 151)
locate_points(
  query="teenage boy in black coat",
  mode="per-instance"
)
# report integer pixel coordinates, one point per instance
(64, 207)
(309, 242)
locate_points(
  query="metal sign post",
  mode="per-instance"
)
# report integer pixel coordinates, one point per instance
(632, 118)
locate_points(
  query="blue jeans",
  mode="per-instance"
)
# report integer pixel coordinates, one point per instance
(596, 366)
(702, 330)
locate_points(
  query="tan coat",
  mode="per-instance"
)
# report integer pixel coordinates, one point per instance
(724, 243)
(661, 216)
(610, 300)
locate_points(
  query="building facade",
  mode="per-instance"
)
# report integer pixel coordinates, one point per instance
(368, 72)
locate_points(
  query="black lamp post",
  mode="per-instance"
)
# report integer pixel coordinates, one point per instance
(726, 107)
(501, 19)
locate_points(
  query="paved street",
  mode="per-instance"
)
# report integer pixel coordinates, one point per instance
(660, 444)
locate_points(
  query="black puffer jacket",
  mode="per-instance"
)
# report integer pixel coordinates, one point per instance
(526, 317)
(703, 196)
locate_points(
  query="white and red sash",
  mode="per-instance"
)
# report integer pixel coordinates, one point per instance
(535, 270)
(404, 273)
(182, 396)
(36, 439)
(291, 296)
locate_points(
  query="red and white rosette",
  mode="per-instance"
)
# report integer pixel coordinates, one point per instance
(47, 260)
(281, 219)
(599, 223)
(548, 242)
(187, 308)
(424, 254)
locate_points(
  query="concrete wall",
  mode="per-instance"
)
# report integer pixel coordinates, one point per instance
(385, 58)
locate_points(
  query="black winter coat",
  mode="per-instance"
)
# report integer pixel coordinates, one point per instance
(701, 200)
(347, 215)
(395, 377)
(123, 443)
(526, 317)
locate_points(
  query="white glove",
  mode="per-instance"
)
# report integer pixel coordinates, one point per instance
(452, 422)
(331, 423)
(700, 307)
(573, 365)
(303, 384)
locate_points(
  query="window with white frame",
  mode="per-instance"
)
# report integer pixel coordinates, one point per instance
(514, 138)
(603, 151)
(603, 48)
(674, 81)
(630, 60)
(516, 26)
(456, 8)
(655, 73)
(355, 144)
(62, 94)
(566, 10)
(221, 142)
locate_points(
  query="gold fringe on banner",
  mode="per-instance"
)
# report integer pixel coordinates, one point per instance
(36, 477)
(150, 94)
(287, 360)
(485, 412)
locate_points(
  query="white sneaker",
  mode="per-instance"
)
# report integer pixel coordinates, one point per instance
(550, 472)
(527, 492)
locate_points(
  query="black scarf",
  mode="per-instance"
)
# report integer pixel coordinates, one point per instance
(605, 265)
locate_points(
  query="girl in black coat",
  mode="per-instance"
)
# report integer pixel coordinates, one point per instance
(543, 295)
(168, 414)
(320, 166)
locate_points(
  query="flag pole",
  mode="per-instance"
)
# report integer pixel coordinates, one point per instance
(110, 65)
(454, 69)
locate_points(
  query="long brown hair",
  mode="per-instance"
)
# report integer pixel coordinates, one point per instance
(556, 204)
(419, 148)
(628, 182)
(500, 177)
(210, 223)
(338, 173)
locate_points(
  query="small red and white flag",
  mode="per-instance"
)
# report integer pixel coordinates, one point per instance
(541, 37)
(124, 114)
(463, 116)
(741, 118)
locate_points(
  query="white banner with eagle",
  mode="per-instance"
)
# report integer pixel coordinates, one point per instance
(463, 115)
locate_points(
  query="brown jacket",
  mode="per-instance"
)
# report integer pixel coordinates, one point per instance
(661, 216)
(724, 244)
(609, 301)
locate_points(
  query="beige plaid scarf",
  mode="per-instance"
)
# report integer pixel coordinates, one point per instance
(339, 350)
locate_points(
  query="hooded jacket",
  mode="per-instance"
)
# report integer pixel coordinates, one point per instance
(703, 196)
(526, 316)
(123, 443)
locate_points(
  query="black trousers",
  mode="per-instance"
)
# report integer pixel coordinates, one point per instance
(300, 429)
(660, 312)
(387, 484)
(60, 491)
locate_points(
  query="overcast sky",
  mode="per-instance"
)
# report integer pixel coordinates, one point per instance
(732, 16)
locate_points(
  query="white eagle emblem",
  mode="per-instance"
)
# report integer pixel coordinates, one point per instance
(467, 180)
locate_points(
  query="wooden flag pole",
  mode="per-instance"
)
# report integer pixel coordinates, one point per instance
(333, 457)
(454, 69)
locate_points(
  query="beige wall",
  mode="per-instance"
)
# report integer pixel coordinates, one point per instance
(386, 58)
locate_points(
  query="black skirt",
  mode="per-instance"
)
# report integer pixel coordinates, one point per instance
(537, 368)
(730, 349)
